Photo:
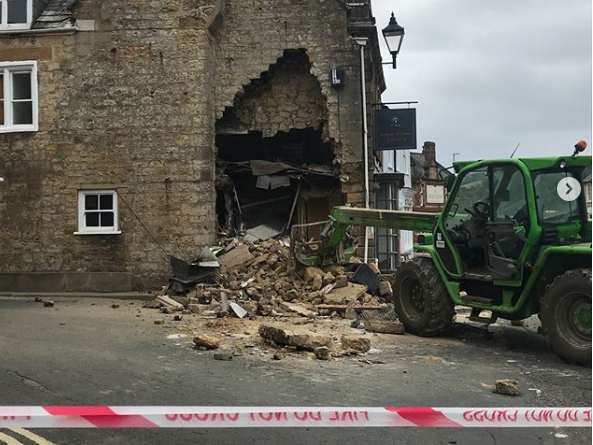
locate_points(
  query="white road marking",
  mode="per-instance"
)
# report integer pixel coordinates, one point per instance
(32, 436)
(9, 440)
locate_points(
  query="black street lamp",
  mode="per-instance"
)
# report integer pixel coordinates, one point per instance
(394, 36)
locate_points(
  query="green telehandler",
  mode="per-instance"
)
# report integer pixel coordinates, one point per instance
(514, 238)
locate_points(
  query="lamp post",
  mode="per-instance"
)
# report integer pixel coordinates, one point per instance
(394, 36)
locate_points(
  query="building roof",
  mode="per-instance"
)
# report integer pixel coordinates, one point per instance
(417, 164)
(54, 14)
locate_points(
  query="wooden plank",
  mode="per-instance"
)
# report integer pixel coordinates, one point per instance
(338, 307)
(169, 302)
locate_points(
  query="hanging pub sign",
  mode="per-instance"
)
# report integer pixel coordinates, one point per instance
(395, 129)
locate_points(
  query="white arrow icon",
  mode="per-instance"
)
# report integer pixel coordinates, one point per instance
(569, 189)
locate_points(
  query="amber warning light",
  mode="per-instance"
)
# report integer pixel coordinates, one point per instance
(579, 147)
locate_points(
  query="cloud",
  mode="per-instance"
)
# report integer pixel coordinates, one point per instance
(490, 74)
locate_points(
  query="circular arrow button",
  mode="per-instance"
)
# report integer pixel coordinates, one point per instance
(569, 189)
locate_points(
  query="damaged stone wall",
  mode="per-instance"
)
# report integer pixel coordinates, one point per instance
(124, 106)
(132, 104)
(255, 34)
(287, 97)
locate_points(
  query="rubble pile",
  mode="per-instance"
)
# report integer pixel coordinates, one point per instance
(252, 279)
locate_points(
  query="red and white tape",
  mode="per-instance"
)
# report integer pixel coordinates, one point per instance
(246, 417)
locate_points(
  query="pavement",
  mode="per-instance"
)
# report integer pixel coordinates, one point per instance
(84, 352)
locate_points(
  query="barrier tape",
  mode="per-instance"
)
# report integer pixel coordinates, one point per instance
(261, 417)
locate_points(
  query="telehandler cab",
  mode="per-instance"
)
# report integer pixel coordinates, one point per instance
(511, 240)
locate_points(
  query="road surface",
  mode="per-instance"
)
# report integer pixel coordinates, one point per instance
(83, 352)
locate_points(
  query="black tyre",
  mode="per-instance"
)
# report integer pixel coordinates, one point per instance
(421, 300)
(566, 316)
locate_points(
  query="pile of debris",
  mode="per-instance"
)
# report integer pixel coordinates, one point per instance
(252, 278)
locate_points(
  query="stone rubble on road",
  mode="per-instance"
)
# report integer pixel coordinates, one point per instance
(507, 387)
(254, 281)
(207, 341)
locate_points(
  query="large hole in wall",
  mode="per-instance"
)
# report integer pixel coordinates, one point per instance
(275, 167)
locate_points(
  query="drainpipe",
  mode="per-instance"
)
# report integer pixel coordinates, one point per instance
(362, 41)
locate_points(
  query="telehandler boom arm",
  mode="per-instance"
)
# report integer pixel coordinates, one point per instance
(336, 246)
(344, 217)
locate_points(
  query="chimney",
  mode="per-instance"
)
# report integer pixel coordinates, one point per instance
(430, 162)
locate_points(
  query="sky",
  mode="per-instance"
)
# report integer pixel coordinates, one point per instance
(490, 74)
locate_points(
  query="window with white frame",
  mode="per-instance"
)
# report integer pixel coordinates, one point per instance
(16, 14)
(97, 212)
(18, 97)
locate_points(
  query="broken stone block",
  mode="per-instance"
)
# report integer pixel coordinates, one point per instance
(298, 309)
(300, 338)
(356, 342)
(384, 327)
(341, 281)
(265, 309)
(235, 259)
(272, 259)
(313, 295)
(250, 307)
(286, 286)
(48, 303)
(253, 293)
(507, 387)
(328, 278)
(223, 356)
(160, 321)
(322, 353)
(195, 308)
(367, 298)
(207, 341)
(311, 273)
(153, 304)
(178, 317)
(385, 289)
(278, 356)
(317, 283)
(290, 295)
(345, 295)
(205, 308)
(336, 269)
(374, 267)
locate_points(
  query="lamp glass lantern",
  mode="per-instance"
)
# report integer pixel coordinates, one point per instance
(394, 36)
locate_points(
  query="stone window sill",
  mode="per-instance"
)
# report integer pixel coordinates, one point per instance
(115, 232)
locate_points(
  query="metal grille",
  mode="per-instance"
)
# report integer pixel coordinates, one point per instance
(385, 314)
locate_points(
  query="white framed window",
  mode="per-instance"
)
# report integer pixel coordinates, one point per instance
(16, 14)
(19, 104)
(97, 212)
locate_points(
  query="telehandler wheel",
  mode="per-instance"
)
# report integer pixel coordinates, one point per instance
(421, 300)
(566, 316)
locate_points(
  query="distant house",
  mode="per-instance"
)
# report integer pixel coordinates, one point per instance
(428, 179)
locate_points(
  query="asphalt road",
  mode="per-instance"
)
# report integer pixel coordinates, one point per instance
(86, 353)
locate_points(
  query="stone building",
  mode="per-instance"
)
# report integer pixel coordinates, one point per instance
(428, 180)
(132, 130)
